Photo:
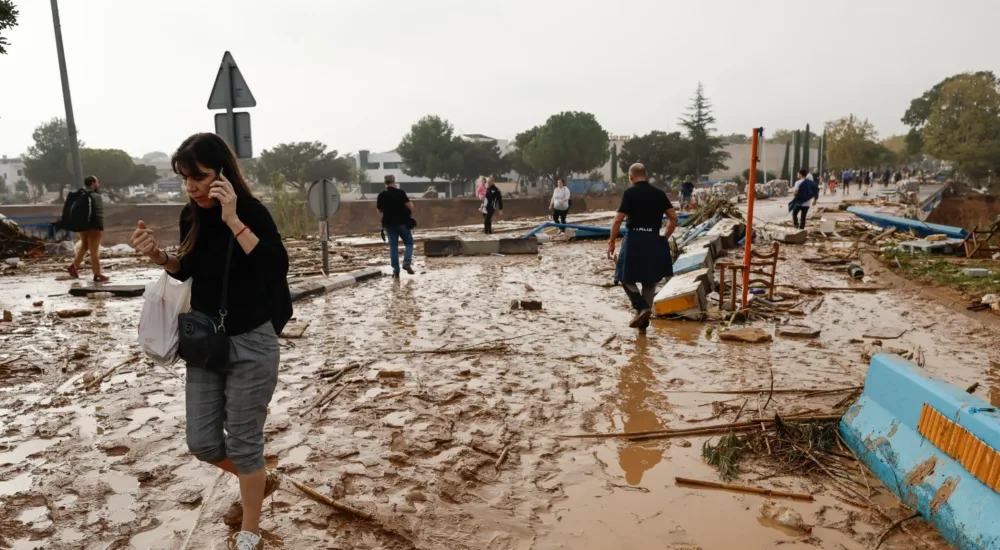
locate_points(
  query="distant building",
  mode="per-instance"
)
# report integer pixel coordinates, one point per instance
(11, 170)
(379, 165)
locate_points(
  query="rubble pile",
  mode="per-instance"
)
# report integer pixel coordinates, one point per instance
(13, 242)
(773, 188)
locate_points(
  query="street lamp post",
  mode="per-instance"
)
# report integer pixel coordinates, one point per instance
(74, 148)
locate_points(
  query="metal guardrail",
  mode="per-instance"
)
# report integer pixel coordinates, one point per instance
(41, 227)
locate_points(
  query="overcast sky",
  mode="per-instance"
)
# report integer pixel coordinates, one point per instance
(356, 74)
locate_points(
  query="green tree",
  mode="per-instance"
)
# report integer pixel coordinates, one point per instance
(8, 20)
(797, 163)
(964, 125)
(113, 167)
(736, 139)
(665, 155)
(144, 174)
(428, 148)
(471, 159)
(786, 172)
(569, 142)
(781, 136)
(301, 163)
(919, 112)
(47, 163)
(706, 149)
(525, 171)
(852, 143)
(614, 161)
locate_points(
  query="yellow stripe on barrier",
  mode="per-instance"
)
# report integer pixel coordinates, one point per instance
(981, 460)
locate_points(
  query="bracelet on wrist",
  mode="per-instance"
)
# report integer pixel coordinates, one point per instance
(245, 227)
(166, 259)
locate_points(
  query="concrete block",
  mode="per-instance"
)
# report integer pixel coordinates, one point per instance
(788, 236)
(708, 241)
(932, 444)
(338, 282)
(923, 246)
(480, 248)
(447, 246)
(305, 290)
(976, 272)
(730, 231)
(519, 246)
(365, 274)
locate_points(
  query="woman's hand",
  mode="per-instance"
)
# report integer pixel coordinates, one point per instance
(223, 192)
(144, 242)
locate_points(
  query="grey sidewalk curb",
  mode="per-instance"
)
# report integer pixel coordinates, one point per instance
(342, 280)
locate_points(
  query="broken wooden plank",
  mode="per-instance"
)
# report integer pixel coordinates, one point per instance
(121, 291)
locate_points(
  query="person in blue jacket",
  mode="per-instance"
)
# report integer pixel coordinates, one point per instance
(804, 190)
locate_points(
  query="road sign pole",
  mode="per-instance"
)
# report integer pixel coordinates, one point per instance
(74, 147)
(227, 74)
(326, 231)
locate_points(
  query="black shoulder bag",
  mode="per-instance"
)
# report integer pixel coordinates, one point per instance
(204, 343)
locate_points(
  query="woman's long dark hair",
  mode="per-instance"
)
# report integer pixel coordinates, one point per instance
(213, 152)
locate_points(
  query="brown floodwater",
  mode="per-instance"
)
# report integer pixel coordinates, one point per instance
(109, 468)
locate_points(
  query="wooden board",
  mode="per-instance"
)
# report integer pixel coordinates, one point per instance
(122, 291)
(294, 330)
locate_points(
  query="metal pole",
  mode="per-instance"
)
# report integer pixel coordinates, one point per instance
(747, 260)
(326, 229)
(227, 75)
(74, 148)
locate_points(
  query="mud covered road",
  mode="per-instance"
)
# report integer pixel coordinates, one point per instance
(450, 380)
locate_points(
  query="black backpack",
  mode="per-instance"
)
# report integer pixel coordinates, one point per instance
(78, 210)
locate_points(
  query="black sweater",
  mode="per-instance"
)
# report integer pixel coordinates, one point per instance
(494, 199)
(258, 282)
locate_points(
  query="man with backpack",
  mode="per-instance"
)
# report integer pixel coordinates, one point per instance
(83, 213)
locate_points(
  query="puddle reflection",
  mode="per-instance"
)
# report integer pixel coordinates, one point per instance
(634, 381)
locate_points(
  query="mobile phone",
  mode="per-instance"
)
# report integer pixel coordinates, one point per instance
(219, 174)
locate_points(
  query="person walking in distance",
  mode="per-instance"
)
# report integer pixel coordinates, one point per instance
(90, 238)
(804, 190)
(494, 205)
(845, 181)
(397, 220)
(560, 203)
(687, 190)
(645, 255)
(226, 399)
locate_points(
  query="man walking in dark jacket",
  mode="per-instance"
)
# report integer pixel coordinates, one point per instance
(645, 254)
(494, 204)
(397, 221)
(90, 238)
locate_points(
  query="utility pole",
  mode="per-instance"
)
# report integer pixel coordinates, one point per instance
(74, 148)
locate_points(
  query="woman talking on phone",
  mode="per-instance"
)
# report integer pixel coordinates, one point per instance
(228, 391)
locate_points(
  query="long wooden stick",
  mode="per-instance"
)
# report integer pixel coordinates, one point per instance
(105, 374)
(810, 391)
(742, 488)
(323, 499)
(897, 523)
(333, 387)
(639, 436)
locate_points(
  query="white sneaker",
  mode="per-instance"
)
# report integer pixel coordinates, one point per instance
(246, 540)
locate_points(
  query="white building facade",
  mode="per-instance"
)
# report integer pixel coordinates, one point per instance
(11, 171)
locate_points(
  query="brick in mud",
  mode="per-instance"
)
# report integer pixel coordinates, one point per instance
(531, 305)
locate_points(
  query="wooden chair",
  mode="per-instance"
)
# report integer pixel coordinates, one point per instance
(981, 244)
(757, 268)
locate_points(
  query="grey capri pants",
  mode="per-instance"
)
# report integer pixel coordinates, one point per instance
(234, 399)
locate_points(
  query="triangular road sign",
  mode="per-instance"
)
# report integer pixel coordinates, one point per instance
(237, 86)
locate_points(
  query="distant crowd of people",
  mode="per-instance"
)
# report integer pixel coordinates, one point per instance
(865, 178)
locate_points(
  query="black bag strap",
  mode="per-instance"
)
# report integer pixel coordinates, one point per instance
(225, 285)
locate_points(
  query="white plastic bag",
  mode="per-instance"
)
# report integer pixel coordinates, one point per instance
(165, 299)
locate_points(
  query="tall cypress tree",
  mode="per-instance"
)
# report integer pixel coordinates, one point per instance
(805, 151)
(785, 172)
(797, 163)
(614, 162)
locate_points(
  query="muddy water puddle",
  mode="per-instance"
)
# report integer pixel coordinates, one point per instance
(452, 384)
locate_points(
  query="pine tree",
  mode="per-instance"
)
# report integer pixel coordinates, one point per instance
(805, 151)
(706, 149)
(614, 162)
(785, 173)
(797, 163)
